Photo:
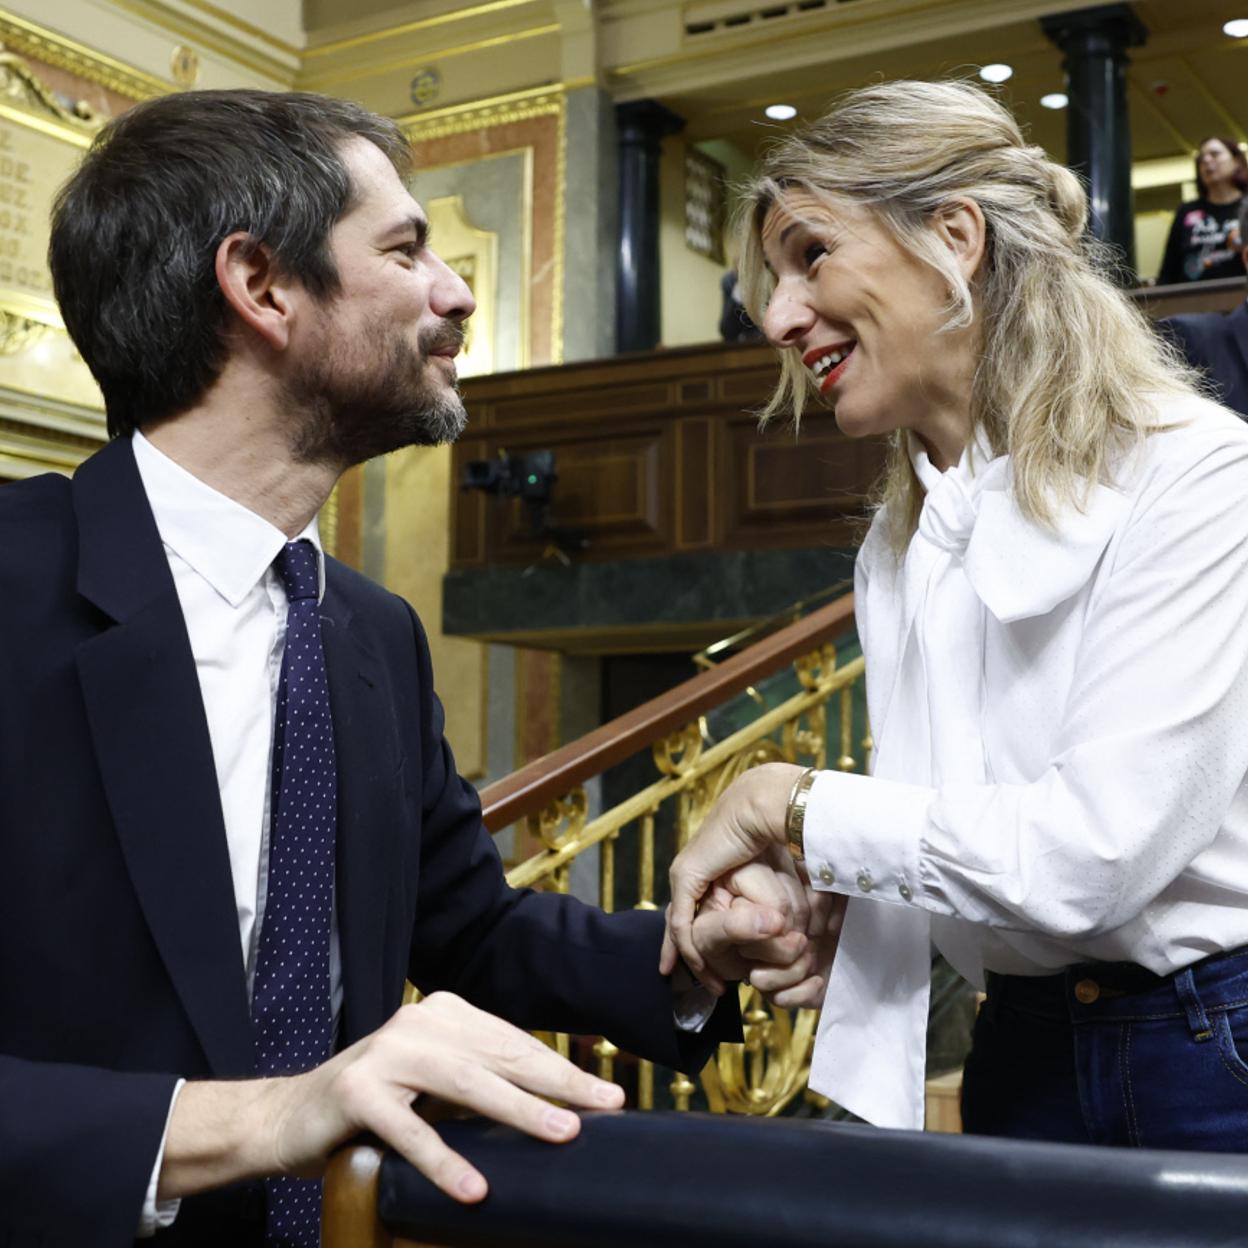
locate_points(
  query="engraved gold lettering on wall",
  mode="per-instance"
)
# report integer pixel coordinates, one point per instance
(24, 208)
(41, 143)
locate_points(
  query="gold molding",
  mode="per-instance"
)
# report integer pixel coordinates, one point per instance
(26, 100)
(374, 69)
(189, 30)
(560, 227)
(407, 28)
(498, 110)
(525, 352)
(40, 44)
(504, 110)
(238, 23)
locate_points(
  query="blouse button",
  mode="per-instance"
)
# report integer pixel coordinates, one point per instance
(904, 890)
(826, 875)
(865, 882)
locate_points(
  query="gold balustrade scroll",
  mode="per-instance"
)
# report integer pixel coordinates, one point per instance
(764, 1073)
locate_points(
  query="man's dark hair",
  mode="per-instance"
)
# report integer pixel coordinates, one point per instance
(136, 229)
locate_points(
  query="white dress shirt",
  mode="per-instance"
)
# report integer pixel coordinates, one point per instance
(234, 605)
(1061, 728)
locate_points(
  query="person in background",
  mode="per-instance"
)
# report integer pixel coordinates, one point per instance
(1216, 343)
(1204, 240)
(734, 321)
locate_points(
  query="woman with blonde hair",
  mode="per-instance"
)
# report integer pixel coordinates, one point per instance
(1052, 600)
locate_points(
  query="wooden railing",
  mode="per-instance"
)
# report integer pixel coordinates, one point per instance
(812, 710)
(532, 788)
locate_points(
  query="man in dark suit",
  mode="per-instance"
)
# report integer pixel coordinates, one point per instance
(230, 827)
(1217, 343)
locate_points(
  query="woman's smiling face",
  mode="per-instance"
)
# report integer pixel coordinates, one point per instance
(867, 317)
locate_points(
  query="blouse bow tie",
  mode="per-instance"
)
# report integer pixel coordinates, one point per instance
(1017, 567)
(950, 509)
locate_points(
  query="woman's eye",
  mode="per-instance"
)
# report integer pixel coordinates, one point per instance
(812, 253)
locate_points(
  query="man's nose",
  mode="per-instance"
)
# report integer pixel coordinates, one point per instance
(450, 297)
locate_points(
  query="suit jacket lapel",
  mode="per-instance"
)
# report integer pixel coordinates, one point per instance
(368, 815)
(145, 709)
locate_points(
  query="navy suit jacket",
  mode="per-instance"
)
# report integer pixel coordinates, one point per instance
(1217, 343)
(120, 965)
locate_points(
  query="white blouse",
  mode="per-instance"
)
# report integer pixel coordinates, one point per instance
(1061, 728)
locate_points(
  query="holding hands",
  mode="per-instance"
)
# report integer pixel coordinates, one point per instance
(738, 864)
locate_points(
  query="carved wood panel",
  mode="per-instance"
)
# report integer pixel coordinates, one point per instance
(658, 455)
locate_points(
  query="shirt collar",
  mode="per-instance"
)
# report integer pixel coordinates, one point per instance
(976, 456)
(226, 544)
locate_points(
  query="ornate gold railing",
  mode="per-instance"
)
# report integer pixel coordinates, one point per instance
(821, 721)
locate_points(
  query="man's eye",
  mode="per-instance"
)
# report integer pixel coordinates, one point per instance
(410, 250)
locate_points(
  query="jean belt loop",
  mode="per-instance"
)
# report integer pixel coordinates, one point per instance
(1193, 1007)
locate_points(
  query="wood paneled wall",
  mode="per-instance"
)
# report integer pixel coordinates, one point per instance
(660, 454)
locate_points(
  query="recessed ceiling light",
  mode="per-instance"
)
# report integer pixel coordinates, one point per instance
(1237, 27)
(780, 112)
(996, 73)
(1054, 100)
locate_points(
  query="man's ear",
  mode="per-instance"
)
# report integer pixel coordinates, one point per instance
(256, 290)
(961, 226)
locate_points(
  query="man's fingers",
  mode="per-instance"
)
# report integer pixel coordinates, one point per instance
(667, 955)
(770, 979)
(778, 951)
(723, 931)
(495, 1097)
(759, 883)
(459, 1031)
(807, 995)
(420, 1144)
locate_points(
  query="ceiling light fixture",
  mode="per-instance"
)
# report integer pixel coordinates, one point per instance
(780, 112)
(996, 73)
(1237, 27)
(1054, 100)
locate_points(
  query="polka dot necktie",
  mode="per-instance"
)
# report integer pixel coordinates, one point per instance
(291, 999)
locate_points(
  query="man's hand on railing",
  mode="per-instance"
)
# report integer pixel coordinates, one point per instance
(442, 1048)
(738, 861)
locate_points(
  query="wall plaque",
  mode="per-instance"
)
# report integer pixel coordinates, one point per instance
(45, 387)
(41, 142)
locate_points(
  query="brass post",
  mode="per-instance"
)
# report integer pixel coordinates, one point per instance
(606, 873)
(605, 1052)
(682, 1090)
(645, 884)
(846, 761)
(645, 1085)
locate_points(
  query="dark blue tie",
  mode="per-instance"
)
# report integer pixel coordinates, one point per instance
(291, 999)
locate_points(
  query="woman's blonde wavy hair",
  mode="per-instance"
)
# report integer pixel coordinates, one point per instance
(1069, 370)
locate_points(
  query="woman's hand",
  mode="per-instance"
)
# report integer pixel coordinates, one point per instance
(803, 982)
(745, 824)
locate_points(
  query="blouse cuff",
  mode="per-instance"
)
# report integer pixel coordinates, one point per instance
(863, 836)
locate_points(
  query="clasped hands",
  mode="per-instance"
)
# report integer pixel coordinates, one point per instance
(742, 908)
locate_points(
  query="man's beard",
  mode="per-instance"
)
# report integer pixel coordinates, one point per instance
(362, 398)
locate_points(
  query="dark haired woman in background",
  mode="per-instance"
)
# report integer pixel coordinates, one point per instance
(1203, 240)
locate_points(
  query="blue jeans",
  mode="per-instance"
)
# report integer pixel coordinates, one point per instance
(1109, 1053)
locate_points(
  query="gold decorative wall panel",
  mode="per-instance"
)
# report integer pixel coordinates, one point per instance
(38, 44)
(527, 120)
